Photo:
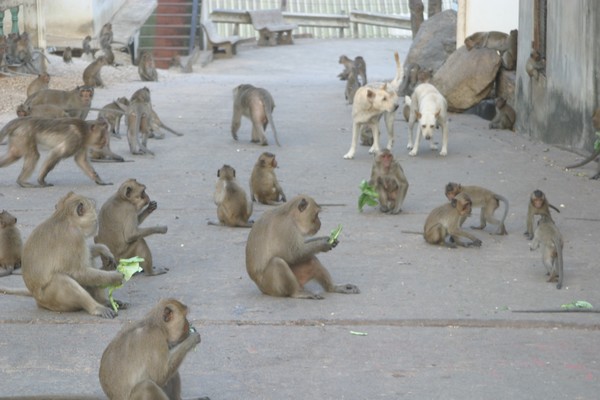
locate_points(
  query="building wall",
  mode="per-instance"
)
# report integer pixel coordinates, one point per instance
(558, 107)
(485, 15)
(74, 19)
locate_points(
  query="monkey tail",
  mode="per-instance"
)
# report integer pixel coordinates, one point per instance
(505, 201)
(170, 130)
(17, 292)
(559, 261)
(270, 118)
(555, 209)
(587, 160)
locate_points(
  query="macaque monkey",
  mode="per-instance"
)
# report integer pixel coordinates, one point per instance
(86, 46)
(147, 68)
(68, 55)
(596, 153)
(65, 137)
(76, 102)
(113, 112)
(264, 186)
(499, 41)
(233, 207)
(509, 57)
(481, 197)
(256, 104)
(388, 179)
(41, 110)
(156, 125)
(11, 245)
(505, 115)
(103, 153)
(443, 225)
(119, 225)
(358, 65)
(139, 120)
(538, 205)
(549, 238)
(39, 83)
(106, 36)
(143, 360)
(91, 74)
(281, 254)
(57, 262)
(535, 65)
(352, 85)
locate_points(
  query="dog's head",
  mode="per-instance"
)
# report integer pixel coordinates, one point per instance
(382, 100)
(427, 122)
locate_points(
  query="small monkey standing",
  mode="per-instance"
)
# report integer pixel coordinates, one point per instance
(538, 205)
(549, 238)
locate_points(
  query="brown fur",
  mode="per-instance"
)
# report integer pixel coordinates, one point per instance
(505, 115)
(538, 205)
(103, 153)
(139, 120)
(264, 186)
(76, 102)
(91, 74)
(443, 225)
(256, 104)
(39, 83)
(147, 68)
(11, 245)
(388, 179)
(233, 207)
(113, 112)
(549, 238)
(41, 110)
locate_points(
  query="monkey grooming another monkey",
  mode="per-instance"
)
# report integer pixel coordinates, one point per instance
(91, 74)
(256, 104)
(57, 262)
(119, 225)
(65, 137)
(233, 207)
(486, 199)
(76, 102)
(281, 254)
(147, 68)
(143, 359)
(538, 205)
(39, 83)
(264, 186)
(11, 245)
(387, 176)
(596, 153)
(443, 225)
(549, 238)
(505, 115)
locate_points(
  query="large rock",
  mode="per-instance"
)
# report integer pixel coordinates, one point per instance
(432, 45)
(467, 77)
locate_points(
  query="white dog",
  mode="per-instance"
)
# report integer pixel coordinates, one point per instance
(371, 102)
(429, 107)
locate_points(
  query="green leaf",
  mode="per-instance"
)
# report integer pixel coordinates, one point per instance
(128, 267)
(368, 195)
(334, 234)
(577, 304)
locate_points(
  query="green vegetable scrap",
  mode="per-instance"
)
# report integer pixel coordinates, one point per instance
(597, 142)
(334, 234)
(577, 304)
(127, 267)
(356, 333)
(368, 195)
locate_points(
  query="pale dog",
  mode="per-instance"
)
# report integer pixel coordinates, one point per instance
(371, 102)
(429, 107)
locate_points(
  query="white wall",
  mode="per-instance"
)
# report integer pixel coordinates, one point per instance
(485, 15)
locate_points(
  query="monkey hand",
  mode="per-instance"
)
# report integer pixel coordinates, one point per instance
(153, 205)
(161, 229)
(475, 243)
(99, 181)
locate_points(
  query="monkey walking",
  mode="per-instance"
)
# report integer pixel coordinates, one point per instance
(443, 225)
(139, 120)
(76, 102)
(538, 205)
(233, 207)
(256, 104)
(548, 237)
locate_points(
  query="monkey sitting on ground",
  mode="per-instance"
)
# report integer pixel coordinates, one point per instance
(281, 255)
(143, 360)
(443, 225)
(481, 197)
(535, 65)
(596, 153)
(68, 55)
(264, 186)
(65, 137)
(358, 65)
(39, 83)
(256, 104)
(74, 102)
(549, 238)
(119, 225)
(538, 205)
(147, 68)
(388, 179)
(505, 115)
(91, 74)
(233, 207)
(11, 245)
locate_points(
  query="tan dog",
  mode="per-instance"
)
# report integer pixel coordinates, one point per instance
(371, 102)
(429, 107)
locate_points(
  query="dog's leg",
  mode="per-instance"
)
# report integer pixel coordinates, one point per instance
(355, 132)
(411, 125)
(444, 126)
(375, 129)
(415, 148)
(389, 124)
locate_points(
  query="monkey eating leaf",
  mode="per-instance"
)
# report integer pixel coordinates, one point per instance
(128, 267)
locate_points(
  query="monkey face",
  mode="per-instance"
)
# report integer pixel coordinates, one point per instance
(6, 219)
(452, 189)
(306, 215)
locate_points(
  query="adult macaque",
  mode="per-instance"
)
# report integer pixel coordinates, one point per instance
(443, 225)
(256, 104)
(535, 65)
(143, 360)
(596, 153)
(11, 245)
(57, 262)
(499, 41)
(103, 153)
(538, 205)
(281, 255)
(106, 36)
(86, 47)
(147, 68)
(264, 186)
(388, 179)
(113, 112)
(39, 83)
(76, 102)
(65, 137)
(68, 55)
(119, 225)
(352, 85)
(505, 115)
(549, 238)
(509, 57)
(233, 207)
(91, 74)
(41, 110)
(481, 197)
(358, 66)
(139, 119)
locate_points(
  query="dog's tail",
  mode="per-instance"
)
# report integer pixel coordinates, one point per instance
(399, 73)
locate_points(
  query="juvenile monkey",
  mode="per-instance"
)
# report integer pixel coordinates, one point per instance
(113, 112)
(147, 68)
(481, 197)
(233, 207)
(91, 74)
(143, 360)
(86, 47)
(443, 225)
(119, 225)
(139, 120)
(387, 176)
(538, 205)
(358, 65)
(39, 83)
(549, 238)
(65, 137)
(596, 153)
(264, 186)
(281, 254)
(505, 115)
(76, 102)
(106, 36)
(103, 153)
(256, 104)
(68, 55)
(535, 64)
(57, 262)
(11, 245)
(352, 85)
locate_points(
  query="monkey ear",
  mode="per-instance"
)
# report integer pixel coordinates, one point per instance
(80, 209)
(128, 191)
(167, 314)
(302, 205)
